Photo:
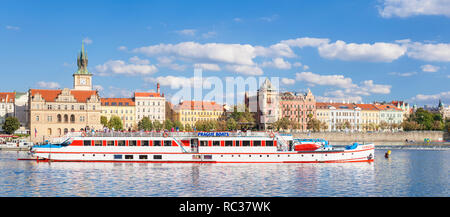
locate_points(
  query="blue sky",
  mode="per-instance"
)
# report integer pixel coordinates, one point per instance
(362, 50)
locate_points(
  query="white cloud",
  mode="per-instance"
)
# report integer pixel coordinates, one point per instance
(87, 40)
(50, 84)
(306, 42)
(209, 34)
(429, 68)
(122, 48)
(176, 82)
(433, 98)
(330, 80)
(406, 8)
(98, 87)
(165, 61)
(137, 60)
(278, 63)
(429, 52)
(377, 52)
(287, 81)
(187, 32)
(15, 28)
(119, 67)
(207, 66)
(404, 74)
(237, 19)
(117, 92)
(245, 70)
(370, 87)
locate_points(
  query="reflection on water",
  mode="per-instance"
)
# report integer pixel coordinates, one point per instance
(406, 173)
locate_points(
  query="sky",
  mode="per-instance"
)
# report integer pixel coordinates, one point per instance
(354, 51)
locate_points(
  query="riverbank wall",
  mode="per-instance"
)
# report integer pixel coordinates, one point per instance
(416, 136)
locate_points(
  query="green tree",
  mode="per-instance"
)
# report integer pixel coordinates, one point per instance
(157, 125)
(145, 124)
(231, 124)
(313, 124)
(104, 120)
(282, 123)
(179, 125)
(115, 122)
(168, 125)
(11, 125)
(187, 127)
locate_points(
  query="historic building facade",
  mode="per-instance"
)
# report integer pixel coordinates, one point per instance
(298, 107)
(189, 112)
(341, 116)
(7, 100)
(265, 104)
(121, 107)
(53, 113)
(151, 105)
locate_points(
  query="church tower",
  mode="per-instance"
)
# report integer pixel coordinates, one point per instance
(82, 79)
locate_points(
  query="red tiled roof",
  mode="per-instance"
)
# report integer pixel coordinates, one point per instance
(146, 94)
(7, 97)
(199, 105)
(51, 95)
(367, 107)
(123, 101)
(387, 107)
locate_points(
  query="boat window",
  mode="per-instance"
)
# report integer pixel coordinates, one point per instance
(87, 142)
(157, 157)
(256, 143)
(143, 157)
(245, 143)
(117, 156)
(157, 143)
(216, 143)
(98, 142)
(121, 143)
(110, 143)
(203, 143)
(269, 143)
(167, 143)
(132, 143)
(207, 157)
(228, 143)
(144, 143)
(128, 156)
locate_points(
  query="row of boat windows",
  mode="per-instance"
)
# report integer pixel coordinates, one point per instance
(159, 157)
(169, 143)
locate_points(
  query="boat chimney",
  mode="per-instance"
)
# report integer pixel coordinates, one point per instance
(157, 87)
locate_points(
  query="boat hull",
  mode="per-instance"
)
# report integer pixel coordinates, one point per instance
(363, 153)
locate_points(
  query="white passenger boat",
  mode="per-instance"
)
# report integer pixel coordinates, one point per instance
(194, 147)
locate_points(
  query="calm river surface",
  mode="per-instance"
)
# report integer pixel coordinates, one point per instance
(408, 173)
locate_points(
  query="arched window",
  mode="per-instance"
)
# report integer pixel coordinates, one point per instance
(72, 130)
(59, 131)
(66, 118)
(49, 131)
(72, 118)
(65, 131)
(59, 118)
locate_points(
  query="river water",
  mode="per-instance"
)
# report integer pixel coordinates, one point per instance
(407, 173)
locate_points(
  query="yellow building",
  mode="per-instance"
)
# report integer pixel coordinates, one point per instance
(189, 112)
(323, 114)
(121, 107)
(370, 116)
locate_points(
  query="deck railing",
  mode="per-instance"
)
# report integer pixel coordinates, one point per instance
(174, 134)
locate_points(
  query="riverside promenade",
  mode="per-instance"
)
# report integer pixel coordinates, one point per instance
(413, 137)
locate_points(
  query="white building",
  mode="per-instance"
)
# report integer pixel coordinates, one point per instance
(151, 105)
(6, 106)
(267, 99)
(340, 116)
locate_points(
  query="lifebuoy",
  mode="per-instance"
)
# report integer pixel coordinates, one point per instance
(83, 134)
(165, 134)
(271, 135)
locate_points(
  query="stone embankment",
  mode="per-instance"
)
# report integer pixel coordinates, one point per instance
(416, 136)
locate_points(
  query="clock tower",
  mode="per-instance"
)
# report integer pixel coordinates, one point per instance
(82, 79)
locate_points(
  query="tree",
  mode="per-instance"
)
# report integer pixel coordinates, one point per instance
(323, 126)
(104, 120)
(157, 125)
(384, 125)
(231, 124)
(282, 123)
(11, 125)
(179, 125)
(313, 124)
(168, 125)
(115, 122)
(145, 124)
(187, 127)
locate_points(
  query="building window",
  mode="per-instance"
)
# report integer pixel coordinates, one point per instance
(49, 118)
(98, 142)
(37, 117)
(144, 143)
(49, 131)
